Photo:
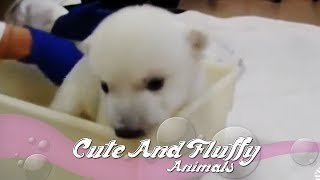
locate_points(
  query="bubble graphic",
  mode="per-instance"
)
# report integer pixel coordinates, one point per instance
(304, 151)
(20, 163)
(16, 155)
(126, 157)
(175, 129)
(31, 140)
(43, 145)
(201, 136)
(37, 167)
(229, 136)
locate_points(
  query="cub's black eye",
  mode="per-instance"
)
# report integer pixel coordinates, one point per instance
(105, 87)
(155, 84)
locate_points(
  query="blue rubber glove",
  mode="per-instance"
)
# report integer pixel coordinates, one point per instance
(80, 22)
(54, 56)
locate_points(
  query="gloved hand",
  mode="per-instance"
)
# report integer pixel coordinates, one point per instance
(54, 56)
(80, 21)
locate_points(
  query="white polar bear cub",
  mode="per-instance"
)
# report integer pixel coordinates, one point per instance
(140, 66)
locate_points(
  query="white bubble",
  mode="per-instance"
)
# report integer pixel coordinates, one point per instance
(201, 136)
(20, 163)
(304, 151)
(174, 130)
(126, 157)
(16, 155)
(229, 136)
(31, 140)
(37, 167)
(43, 145)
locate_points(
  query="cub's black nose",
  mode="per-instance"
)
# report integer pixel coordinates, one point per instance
(128, 133)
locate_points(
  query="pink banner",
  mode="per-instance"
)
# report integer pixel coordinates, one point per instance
(24, 136)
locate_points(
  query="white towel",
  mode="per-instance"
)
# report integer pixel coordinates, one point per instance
(278, 96)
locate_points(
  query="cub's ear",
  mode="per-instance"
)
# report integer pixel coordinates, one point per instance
(84, 46)
(198, 42)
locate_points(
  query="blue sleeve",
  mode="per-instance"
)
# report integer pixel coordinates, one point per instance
(80, 22)
(54, 56)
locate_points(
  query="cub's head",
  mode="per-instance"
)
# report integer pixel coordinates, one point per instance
(149, 66)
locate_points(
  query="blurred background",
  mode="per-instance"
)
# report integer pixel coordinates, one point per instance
(307, 11)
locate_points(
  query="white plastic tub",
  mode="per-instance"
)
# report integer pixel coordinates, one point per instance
(25, 91)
